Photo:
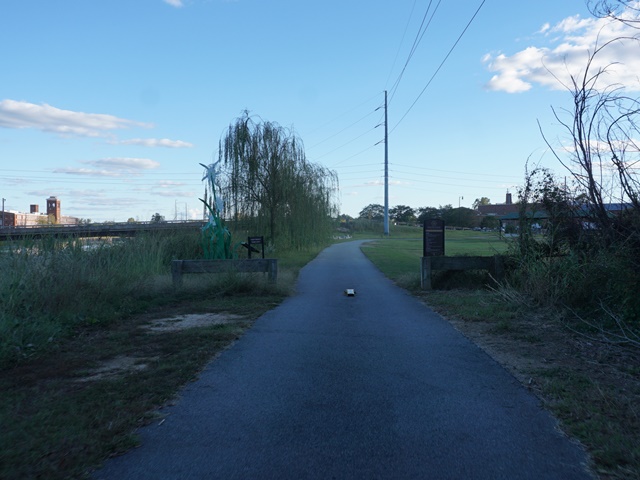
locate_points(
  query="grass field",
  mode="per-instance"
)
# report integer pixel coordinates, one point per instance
(398, 256)
(592, 388)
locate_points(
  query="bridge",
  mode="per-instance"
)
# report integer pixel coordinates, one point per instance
(95, 229)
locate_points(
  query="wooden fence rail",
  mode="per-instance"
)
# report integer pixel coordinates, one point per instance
(495, 266)
(266, 265)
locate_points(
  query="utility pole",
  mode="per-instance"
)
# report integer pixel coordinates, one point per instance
(3, 212)
(386, 168)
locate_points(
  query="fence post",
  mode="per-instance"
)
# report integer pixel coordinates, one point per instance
(273, 270)
(425, 273)
(176, 272)
(498, 268)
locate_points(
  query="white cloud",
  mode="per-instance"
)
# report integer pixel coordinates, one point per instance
(125, 163)
(170, 183)
(111, 167)
(377, 183)
(89, 194)
(99, 202)
(19, 114)
(552, 64)
(174, 3)
(43, 193)
(168, 188)
(172, 194)
(88, 172)
(155, 142)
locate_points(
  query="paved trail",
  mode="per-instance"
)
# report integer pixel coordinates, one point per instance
(373, 386)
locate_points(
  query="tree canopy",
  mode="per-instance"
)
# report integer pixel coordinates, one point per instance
(481, 201)
(402, 214)
(373, 211)
(269, 186)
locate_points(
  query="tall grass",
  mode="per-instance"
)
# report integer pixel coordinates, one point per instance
(596, 288)
(50, 287)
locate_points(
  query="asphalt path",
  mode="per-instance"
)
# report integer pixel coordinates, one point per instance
(374, 386)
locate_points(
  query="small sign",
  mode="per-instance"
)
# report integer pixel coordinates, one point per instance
(433, 238)
(251, 241)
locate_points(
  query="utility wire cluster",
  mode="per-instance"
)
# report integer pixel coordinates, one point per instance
(353, 175)
(361, 131)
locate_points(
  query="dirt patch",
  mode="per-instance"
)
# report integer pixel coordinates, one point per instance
(182, 322)
(593, 387)
(125, 364)
(522, 346)
(116, 366)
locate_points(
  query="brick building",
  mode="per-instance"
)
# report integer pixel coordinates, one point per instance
(34, 217)
(499, 209)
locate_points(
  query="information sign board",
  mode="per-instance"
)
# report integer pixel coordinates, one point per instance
(251, 241)
(433, 237)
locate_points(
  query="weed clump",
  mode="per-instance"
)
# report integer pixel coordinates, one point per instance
(52, 287)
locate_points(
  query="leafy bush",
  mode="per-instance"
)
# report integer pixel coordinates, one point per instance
(589, 268)
(50, 287)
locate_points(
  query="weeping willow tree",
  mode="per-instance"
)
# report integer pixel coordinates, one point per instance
(271, 188)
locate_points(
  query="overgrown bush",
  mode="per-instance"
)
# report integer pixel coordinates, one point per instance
(49, 287)
(575, 264)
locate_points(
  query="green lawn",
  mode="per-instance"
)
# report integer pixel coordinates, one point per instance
(590, 387)
(466, 242)
(399, 256)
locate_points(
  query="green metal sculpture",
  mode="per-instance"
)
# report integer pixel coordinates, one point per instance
(216, 237)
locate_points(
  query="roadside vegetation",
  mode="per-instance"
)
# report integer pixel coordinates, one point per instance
(93, 339)
(83, 369)
(590, 383)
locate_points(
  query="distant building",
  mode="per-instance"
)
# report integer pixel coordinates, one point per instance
(34, 217)
(499, 209)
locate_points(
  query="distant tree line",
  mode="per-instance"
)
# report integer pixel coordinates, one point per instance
(462, 217)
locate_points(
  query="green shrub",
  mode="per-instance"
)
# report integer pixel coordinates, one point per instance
(51, 287)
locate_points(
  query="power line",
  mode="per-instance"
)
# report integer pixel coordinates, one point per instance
(401, 41)
(475, 174)
(441, 63)
(478, 185)
(344, 129)
(361, 165)
(347, 143)
(51, 171)
(443, 177)
(343, 114)
(92, 180)
(419, 35)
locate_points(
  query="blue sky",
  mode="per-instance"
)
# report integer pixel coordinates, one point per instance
(111, 106)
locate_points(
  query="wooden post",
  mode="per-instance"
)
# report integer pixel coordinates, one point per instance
(273, 270)
(498, 268)
(425, 273)
(495, 266)
(176, 272)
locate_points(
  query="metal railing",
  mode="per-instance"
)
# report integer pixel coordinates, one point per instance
(94, 229)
